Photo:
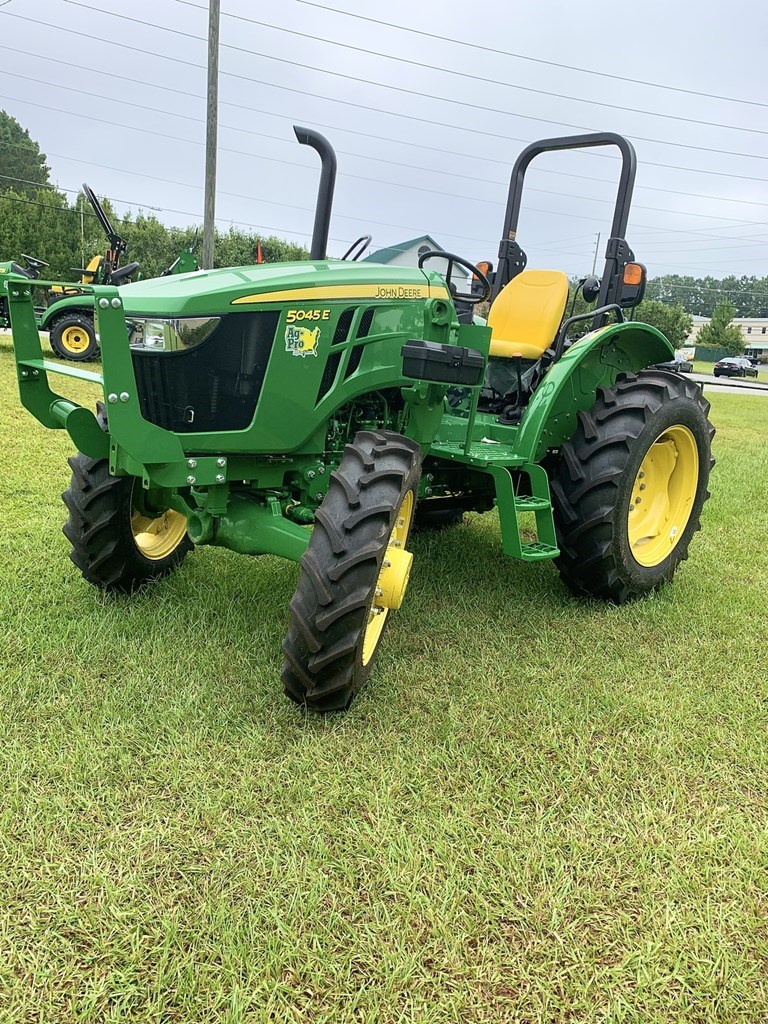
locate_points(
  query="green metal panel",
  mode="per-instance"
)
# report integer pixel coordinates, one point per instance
(69, 304)
(594, 361)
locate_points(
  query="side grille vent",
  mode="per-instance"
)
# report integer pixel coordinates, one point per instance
(342, 327)
(356, 354)
(365, 323)
(329, 376)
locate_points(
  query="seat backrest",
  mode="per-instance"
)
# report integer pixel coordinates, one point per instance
(527, 312)
(91, 271)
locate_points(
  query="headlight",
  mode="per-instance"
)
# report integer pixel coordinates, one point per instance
(170, 335)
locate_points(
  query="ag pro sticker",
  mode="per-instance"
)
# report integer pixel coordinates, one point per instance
(300, 341)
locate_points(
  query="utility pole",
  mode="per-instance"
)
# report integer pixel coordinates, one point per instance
(211, 127)
(594, 259)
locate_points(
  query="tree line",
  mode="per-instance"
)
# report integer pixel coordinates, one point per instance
(701, 296)
(39, 220)
(67, 235)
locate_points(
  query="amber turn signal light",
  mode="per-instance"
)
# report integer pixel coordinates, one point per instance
(633, 274)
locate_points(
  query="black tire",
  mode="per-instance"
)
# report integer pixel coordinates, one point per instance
(99, 529)
(331, 608)
(598, 468)
(428, 519)
(73, 337)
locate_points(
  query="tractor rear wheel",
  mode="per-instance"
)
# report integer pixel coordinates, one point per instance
(630, 485)
(74, 337)
(354, 572)
(118, 541)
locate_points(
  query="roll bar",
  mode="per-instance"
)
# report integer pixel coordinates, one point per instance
(512, 259)
(318, 142)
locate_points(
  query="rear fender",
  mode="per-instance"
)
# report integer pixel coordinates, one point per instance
(571, 384)
(71, 305)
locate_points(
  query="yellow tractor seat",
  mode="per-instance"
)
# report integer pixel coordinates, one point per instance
(527, 312)
(90, 272)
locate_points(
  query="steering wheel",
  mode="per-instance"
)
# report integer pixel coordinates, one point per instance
(471, 300)
(33, 264)
(363, 242)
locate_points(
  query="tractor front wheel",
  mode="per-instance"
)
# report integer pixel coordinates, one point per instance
(118, 540)
(354, 572)
(630, 485)
(74, 337)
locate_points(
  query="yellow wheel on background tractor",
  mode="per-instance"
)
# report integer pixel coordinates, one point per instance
(630, 485)
(355, 571)
(73, 337)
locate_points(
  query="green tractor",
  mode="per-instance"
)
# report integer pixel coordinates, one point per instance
(69, 318)
(242, 406)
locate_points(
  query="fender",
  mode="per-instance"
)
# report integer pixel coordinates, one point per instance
(68, 304)
(570, 386)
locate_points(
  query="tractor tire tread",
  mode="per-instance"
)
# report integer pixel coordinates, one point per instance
(99, 530)
(591, 480)
(329, 612)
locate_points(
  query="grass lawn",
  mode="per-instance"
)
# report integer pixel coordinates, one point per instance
(540, 809)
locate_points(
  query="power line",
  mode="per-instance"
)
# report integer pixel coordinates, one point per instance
(398, 88)
(366, 107)
(5, 198)
(351, 131)
(534, 60)
(359, 177)
(451, 71)
(394, 163)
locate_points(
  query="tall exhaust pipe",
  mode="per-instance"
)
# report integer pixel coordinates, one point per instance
(309, 137)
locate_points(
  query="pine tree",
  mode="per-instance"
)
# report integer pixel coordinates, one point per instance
(23, 165)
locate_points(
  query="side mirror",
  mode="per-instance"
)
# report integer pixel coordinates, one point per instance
(633, 283)
(590, 289)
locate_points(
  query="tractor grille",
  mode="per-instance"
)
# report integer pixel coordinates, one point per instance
(212, 386)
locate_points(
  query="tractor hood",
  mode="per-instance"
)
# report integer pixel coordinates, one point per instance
(234, 288)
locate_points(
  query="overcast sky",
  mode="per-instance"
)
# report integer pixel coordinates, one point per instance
(430, 155)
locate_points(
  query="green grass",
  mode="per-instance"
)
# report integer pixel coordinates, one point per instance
(540, 809)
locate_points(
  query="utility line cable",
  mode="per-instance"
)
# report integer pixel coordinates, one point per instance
(394, 163)
(447, 71)
(534, 60)
(347, 174)
(395, 88)
(366, 107)
(367, 135)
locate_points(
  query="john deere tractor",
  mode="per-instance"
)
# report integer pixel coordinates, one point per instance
(317, 410)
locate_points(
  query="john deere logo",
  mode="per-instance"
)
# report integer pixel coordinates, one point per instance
(301, 341)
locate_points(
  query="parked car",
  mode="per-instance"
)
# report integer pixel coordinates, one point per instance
(677, 365)
(736, 366)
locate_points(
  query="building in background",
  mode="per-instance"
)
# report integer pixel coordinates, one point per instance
(406, 254)
(753, 328)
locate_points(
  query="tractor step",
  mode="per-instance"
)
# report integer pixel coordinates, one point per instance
(478, 453)
(538, 502)
(529, 504)
(537, 552)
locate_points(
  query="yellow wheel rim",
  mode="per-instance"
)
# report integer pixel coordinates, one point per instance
(392, 580)
(158, 537)
(75, 339)
(663, 495)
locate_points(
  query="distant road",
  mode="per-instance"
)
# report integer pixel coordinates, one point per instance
(729, 385)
